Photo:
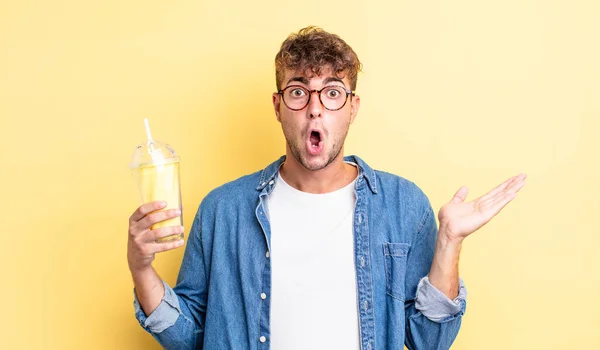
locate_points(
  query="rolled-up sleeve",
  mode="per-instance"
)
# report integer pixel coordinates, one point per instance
(436, 306)
(432, 319)
(164, 316)
(178, 321)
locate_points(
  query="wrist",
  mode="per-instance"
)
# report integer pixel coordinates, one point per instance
(443, 273)
(140, 271)
(449, 240)
(448, 245)
(447, 254)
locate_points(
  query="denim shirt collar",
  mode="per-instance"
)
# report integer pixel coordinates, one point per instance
(270, 172)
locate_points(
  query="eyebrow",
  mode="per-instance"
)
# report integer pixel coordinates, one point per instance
(330, 79)
(304, 81)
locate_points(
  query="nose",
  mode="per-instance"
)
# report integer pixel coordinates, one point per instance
(315, 108)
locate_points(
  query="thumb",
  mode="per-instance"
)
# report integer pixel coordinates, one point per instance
(460, 195)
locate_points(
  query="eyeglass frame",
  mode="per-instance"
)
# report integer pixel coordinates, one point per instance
(310, 92)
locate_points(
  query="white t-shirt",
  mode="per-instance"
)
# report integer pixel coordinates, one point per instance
(314, 296)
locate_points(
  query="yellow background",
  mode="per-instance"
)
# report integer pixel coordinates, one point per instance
(453, 93)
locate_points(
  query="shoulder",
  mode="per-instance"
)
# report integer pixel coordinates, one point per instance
(237, 191)
(407, 191)
(391, 188)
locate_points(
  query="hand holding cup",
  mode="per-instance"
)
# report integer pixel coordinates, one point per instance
(144, 242)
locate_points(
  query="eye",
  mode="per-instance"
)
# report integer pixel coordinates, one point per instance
(297, 92)
(333, 93)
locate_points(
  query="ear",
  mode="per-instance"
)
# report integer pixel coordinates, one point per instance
(277, 105)
(354, 105)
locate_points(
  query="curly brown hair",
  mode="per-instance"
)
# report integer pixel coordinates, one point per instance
(312, 50)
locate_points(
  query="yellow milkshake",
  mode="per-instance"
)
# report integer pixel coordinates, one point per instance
(160, 183)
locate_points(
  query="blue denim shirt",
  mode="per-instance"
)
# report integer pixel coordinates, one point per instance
(219, 301)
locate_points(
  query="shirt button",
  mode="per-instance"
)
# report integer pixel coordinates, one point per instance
(366, 305)
(263, 296)
(267, 255)
(262, 339)
(360, 218)
(262, 184)
(368, 346)
(362, 261)
(271, 182)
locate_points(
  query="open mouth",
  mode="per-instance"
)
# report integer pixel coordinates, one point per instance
(314, 143)
(315, 138)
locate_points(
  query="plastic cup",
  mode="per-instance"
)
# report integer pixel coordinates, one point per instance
(155, 171)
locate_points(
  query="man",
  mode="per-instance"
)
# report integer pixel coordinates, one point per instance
(316, 251)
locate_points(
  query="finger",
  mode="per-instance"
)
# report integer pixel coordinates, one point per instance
(506, 185)
(506, 197)
(460, 195)
(502, 202)
(163, 247)
(144, 209)
(155, 235)
(158, 216)
(514, 187)
(518, 186)
(499, 188)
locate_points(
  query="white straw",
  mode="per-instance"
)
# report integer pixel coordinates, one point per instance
(148, 133)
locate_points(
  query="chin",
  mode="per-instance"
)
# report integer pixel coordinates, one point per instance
(315, 163)
(308, 161)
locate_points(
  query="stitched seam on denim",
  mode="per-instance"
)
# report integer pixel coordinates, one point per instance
(261, 305)
(260, 308)
(355, 243)
(198, 236)
(178, 308)
(395, 297)
(417, 314)
(370, 178)
(366, 225)
(424, 220)
(262, 179)
(445, 319)
(262, 302)
(263, 175)
(374, 175)
(388, 284)
(201, 241)
(393, 252)
(188, 319)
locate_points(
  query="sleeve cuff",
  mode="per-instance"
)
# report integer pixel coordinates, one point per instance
(163, 317)
(436, 306)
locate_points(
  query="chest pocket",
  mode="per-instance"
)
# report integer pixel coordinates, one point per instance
(395, 256)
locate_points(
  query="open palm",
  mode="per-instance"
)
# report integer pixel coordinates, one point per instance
(458, 218)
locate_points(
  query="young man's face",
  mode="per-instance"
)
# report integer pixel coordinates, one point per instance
(315, 135)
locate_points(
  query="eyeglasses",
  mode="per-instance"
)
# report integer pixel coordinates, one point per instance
(333, 98)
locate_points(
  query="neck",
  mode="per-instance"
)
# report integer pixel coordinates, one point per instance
(334, 176)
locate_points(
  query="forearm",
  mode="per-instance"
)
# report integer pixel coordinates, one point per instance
(444, 269)
(149, 289)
